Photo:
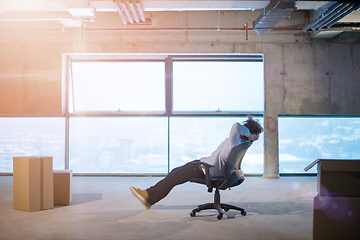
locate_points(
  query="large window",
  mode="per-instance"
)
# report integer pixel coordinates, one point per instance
(195, 137)
(118, 145)
(305, 139)
(149, 114)
(31, 136)
(118, 86)
(218, 86)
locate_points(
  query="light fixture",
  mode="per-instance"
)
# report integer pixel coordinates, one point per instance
(82, 12)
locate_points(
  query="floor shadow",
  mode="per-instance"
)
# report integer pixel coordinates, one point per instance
(263, 208)
(79, 198)
(275, 208)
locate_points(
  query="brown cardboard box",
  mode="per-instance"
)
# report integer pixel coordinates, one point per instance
(33, 183)
(62, 187)
(338, 177)
(47, 183)
(336, 218)
(26, 183)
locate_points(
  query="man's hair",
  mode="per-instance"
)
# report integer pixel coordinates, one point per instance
(253, 125)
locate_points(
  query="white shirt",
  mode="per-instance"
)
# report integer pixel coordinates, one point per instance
(220, 155)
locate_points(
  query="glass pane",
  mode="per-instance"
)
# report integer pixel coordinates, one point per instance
(30, 137)
(118, 145)
(218, 86)
(192, 138)
(302, 140)
(118, 86)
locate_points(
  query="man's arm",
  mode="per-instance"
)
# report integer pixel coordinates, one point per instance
(236, 132)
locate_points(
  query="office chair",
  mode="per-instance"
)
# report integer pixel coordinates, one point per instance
(233, 176)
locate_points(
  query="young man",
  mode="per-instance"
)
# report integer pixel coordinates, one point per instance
(239, 134)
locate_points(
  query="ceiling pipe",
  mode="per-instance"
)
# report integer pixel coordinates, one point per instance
(171, 29)
(353, 9)
(322, 16)
(124, 8)
(133, 10)
(140, 10)
(336, 12)
(330, 16)
(118, 9)
(339, 14)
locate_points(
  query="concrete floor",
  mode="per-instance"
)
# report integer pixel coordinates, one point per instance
(104, 208)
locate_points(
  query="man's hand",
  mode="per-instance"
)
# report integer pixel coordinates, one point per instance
(253, 137)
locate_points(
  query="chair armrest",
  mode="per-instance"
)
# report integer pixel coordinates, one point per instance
(207, 174)
(206, 165)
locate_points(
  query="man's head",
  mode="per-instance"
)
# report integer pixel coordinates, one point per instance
(254, 127)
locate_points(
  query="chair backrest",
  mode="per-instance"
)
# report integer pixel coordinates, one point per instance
(233, 175)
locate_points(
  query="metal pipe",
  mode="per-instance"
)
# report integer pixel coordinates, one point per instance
(133, 10)
(356, 7)
(126, 10)
(118, 9)
(335, 12)
(247, 31)
(339, 14)
(140, 10)
(187, 29)
(159, 29)
(327, 12)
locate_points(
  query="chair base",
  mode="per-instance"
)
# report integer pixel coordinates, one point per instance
(220, 207)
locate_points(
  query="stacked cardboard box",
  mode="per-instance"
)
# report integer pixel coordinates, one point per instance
(33, 183)
(62, 187)
(337, 205)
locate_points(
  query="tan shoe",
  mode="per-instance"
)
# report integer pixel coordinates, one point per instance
(141, 195)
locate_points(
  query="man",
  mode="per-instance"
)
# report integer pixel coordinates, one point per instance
(239, 134)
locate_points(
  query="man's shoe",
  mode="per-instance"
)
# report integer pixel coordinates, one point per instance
(141, 195)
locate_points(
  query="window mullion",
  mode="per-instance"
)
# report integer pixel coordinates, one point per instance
(168, 85)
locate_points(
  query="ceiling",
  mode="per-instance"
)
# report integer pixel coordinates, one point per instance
(335, 20)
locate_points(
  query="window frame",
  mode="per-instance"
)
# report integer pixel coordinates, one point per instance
(168, 59)
(299, 116)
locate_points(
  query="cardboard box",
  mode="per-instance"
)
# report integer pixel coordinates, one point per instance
(336, 218)
(47, 183)
(337, 177)
(33, 183)
(62, 187)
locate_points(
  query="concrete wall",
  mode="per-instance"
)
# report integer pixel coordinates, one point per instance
(302, 76)
(307, 77)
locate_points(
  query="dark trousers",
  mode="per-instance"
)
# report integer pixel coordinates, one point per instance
(177, 176)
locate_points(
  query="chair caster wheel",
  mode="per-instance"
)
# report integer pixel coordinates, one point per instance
(220, 216)
(243, 213)
(192, 214)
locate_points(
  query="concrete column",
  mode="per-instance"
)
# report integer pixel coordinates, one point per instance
(271, 162)
(274, 94)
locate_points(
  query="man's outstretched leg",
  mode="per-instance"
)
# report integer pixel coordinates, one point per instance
(161, 189)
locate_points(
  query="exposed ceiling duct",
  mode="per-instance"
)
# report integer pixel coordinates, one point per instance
(327, 18)
(134, 13)
(332, 15)
(276, 11)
